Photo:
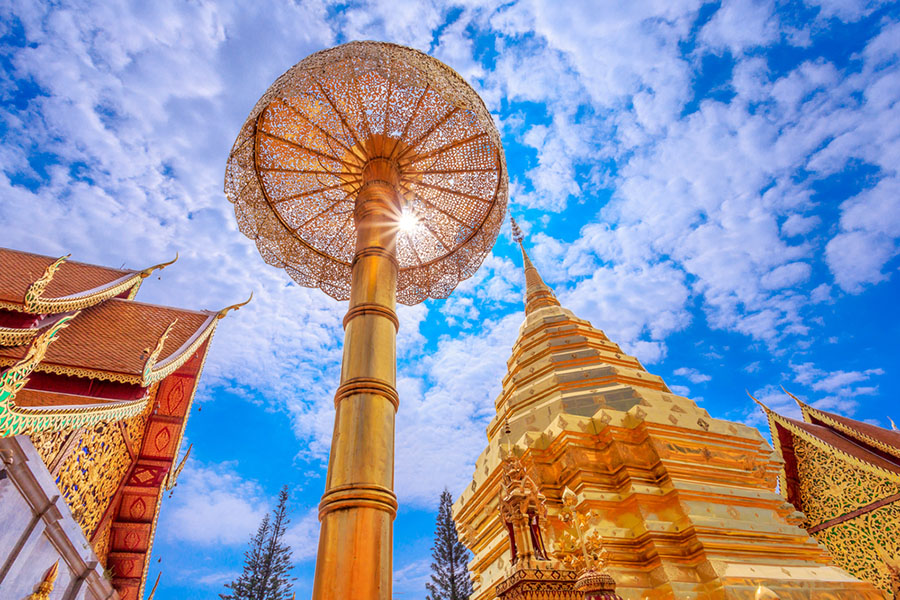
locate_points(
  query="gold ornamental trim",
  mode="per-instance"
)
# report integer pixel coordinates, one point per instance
(16, 336)
(807, 410)
(371, 308)
(367, 385)
(79, 372)
(154, 371)
(35, 303)
(15, 420)
(159, 497)
(369, 495)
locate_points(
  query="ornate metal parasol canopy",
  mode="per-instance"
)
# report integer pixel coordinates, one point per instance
(296, 167)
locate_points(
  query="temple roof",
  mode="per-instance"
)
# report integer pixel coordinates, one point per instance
(113, 340)
(18, 270)
(833, 439)
(865, 434)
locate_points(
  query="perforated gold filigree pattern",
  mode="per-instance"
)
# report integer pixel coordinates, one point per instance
(829, 488)
(296, 167)
(853, 544)
(49, 443)
(100, 543)
(90, 474)
(136, 426)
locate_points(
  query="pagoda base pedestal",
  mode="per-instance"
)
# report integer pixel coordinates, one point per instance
(539, 584)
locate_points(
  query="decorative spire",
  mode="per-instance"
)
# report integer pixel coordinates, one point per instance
(155, 585)
(46, 585)
(172, 477)
(221, 314)
(537, 293)
(153, 356)
(36, 289)
(594, 582)
(149, 270)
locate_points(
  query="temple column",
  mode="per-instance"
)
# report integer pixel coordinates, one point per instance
(359, 505)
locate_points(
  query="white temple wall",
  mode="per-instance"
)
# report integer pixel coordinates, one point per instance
(37, 529)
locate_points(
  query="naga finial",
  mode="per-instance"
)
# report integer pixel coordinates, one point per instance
(752, 397)
(893, 425)
(172, 477)
(517, 234)
(796, 399)
(154, 355)
(153, 591)
(15, 377)
(149, 270)
(227, 309)
(35, 290)
(47, 583)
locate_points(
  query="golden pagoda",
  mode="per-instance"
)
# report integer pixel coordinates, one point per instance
(687, 504)
(95, 392)
(844, 476)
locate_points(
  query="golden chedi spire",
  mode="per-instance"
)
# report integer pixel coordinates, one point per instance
(537, 293)
(47, 583)
(687, 504)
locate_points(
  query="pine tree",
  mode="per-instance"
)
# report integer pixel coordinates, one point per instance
(267, 562)
(449, 575)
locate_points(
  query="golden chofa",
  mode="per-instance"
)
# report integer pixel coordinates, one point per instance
(375, 173)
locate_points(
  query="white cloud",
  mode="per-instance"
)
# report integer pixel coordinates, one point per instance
(741, 24)
(681, 390)
(302, 535)
(833, 382)
(870, 224)
(213, 505)
(692, 375)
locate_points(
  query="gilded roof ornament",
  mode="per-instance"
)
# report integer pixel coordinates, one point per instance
(15, 377)
(36, 303)
(172, 476)
(154, 354)
(221, 314)
(893, 425)
(790, 425)
(36, 289)
(149, 270)
(15, 420)
(153, 591)
(46, 585)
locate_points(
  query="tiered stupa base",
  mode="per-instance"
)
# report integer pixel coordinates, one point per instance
(688, 504)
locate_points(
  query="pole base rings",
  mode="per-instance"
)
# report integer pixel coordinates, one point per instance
(358, 495)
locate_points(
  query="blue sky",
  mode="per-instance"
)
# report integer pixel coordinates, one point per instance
(715, 185)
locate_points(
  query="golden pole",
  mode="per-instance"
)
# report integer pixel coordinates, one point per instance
(359, 505)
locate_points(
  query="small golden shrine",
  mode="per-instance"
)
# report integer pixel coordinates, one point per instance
(844, 476)
(686, 505)
(102, 385)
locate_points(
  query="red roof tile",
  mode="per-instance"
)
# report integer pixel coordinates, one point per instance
(879, 434)
(18, 270)
(113, 336)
